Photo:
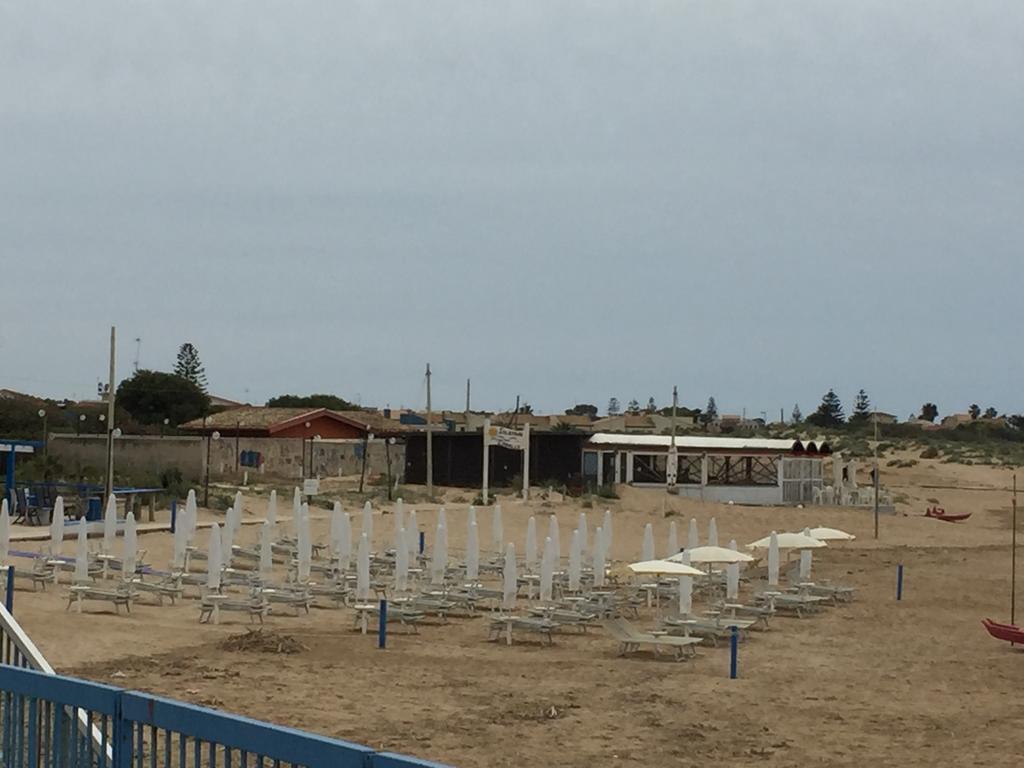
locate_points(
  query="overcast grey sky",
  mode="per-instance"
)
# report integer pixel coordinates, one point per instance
(568, 201)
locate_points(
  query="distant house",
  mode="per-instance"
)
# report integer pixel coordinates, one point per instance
(224, 404)
(883, 418)
(255, 421)
(955, 420)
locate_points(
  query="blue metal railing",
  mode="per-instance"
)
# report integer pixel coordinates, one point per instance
(38, 714)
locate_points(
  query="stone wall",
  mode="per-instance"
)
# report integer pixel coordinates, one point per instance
(133, 455)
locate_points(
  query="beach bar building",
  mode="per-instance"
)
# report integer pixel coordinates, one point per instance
(738, 469)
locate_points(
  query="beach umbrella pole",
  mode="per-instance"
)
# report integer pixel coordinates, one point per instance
(899, 581)
(382, 628)
(9, 595)
(734, 644)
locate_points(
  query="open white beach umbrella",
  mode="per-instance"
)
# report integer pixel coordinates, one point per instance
(647, 550)
(556, 544)
(575, 561)
(788, 541)
(732, 577)
(606, 530)
(708, 555)
(472, 552)
(57, 527)
(713, 533)
(673, 539)
(266, 551)
(131, 548)
(805, 560)
(213, 560)
(510, 585)
(531, 545)
(82, 555)
(829, 534)
(368, 521)
(597, 562)
(5, 532)
(363, 568)
(401, 563)
(547, 569)
(110, 525)
(693, 535)
(663, 568)
(439, 554)
(305, 547)
(581, 526)
(773, 560)
(412, 534)
(296, 511)
(497, 528)
(271, 518)
(685, 591)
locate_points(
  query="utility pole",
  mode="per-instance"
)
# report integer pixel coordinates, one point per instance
(109, 487)
(467, 398)
(1013, 558)
(430, 444)
(877, 478)
(673, 459)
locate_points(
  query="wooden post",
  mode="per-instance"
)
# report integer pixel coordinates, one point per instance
(109, 486)
(1013, 557)
(430, 445)
(526, 461)
(487, 460)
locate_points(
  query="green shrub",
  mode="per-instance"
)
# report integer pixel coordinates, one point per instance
(931, 452)
(607, 492)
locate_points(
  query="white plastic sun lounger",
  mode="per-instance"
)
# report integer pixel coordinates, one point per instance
(631, 640)
(122, 595)
(504, 625)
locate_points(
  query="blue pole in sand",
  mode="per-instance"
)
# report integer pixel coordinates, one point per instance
(9, 596)
(899, 581)
(382, 629)
(423, 541)
(734, 642)
(174, 514)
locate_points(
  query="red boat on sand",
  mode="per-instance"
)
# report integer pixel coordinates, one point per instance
(1008, 632)
(938, 513)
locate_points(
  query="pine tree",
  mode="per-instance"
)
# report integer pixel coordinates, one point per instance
(861, 407)
(829, 413)
(974, 411)
(929, 412)
(991, 413)
(710, 415)
(633, 407)
(189, 367)
(797, 414)
(614, 409)
(651, 406)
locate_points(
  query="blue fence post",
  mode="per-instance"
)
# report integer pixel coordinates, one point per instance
(9, 594)
(734, 642)
(382, 628)
(899, 581)
(122, 746)
(423, 541)
(174, 514)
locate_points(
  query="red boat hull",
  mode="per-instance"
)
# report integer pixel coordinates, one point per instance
(1007, 632)
(940, 514)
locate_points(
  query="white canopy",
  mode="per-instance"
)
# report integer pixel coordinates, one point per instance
(788, 541)
(664, 568)
(712, 555)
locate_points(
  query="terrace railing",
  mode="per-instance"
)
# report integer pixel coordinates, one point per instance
(52, 721)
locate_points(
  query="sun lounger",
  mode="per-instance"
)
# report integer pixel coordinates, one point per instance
(170, 586)
(567, 617)
(121, 595)
(213, 603)
(296, 598)
(799, 605)
(709, 629)
(505, 625)
(406, 617)
(631, 640)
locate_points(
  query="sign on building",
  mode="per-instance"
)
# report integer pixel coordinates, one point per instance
(310, 487)
(507, 438)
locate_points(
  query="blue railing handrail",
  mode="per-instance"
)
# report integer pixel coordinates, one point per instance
(132, 713)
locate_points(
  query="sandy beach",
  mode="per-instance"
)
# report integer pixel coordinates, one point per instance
(876, 682)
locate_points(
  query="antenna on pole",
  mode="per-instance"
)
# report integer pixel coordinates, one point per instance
(138, 353)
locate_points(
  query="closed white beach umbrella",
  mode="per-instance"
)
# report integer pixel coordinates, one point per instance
(439, 554)
(442, 517)
(556, 544)
(236, 513)
(575, 561)
(693, 535)
(497, 528)
(272, 514)
(531, 545)
(510, 585)
(713, 533)
(305, 546)
(5, 532)
(732, 577)
(82, 555)
(57, 527)
(598, 557)
(345, 542)
(773, 560)
(398, 522)
(547, 569)
(470, 516)
(213, 560)
(227, 540)
(472, 552)
(180, 545)
(368, 522)
(581, 526)
(401, 563)
(296, 511)
(363, 568)
(337, 523)
(805, 560)
(191, 515)
(685, 591)
(647, 552)
(606, 528)
(131, 547)
(110, 525)
(412, 534)
(673, 539)
(266, 551)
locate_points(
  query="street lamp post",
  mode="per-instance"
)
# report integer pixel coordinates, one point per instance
(79, 423)
(215, 435)
(46, 442)
(163, 426)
